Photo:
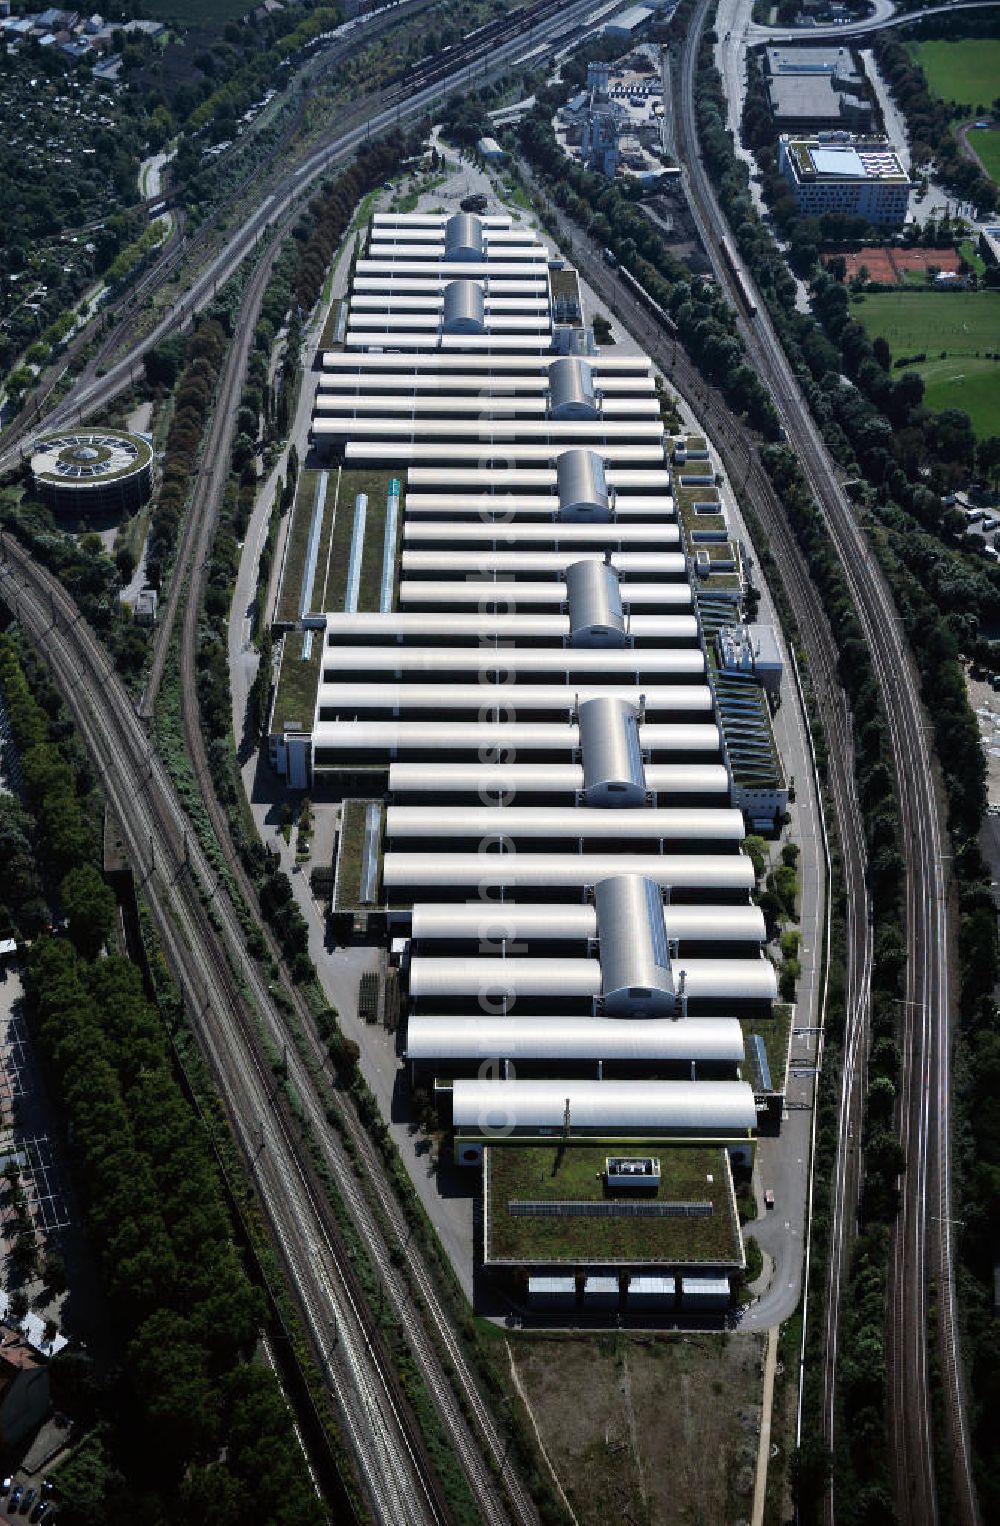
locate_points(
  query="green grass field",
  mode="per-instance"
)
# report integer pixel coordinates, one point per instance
(986, 143)
(971, 384)
(967, 72)
(960, 324)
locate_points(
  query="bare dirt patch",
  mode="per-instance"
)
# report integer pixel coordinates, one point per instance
(648, 1429)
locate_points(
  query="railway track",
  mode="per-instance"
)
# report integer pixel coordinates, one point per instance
(411, 1318)
(181, 247)
(229, 1005)
(922, 1242)
(536, 29)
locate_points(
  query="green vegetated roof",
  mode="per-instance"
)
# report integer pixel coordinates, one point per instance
(350, 854)
(574, 1174)
(80, 450)
(298, 681)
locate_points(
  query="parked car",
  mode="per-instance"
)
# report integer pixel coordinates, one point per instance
(15, 1497)
(769, 1198)
(28, 1501)
(990, 522)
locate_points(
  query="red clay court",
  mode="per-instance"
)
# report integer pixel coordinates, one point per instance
(888, 266)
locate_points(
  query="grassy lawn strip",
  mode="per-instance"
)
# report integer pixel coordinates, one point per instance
(958, 322)
(374, 483)
(298, 679)
(298, 541)
(970, 384)
(574, 1173)
(957, 331)
(352, 842)
(774, 1031)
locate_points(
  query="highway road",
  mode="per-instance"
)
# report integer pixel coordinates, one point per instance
(923, 1236)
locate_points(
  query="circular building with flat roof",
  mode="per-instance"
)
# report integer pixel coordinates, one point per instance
(93, 471)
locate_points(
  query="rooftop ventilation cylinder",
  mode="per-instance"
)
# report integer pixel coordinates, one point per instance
(464, 308)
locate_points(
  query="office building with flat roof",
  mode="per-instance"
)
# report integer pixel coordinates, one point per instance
(835, 172)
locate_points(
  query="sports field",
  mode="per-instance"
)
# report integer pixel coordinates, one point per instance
(967, 72)
(965, 326)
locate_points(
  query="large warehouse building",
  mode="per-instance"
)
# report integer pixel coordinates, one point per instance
(515, 695)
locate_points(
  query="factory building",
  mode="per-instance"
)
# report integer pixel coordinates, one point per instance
(522, 717)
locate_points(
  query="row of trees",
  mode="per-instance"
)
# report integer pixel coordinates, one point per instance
(612, 217)
(198, 1430)
(192, 405)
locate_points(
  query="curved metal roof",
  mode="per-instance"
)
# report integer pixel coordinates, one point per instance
(635, 955)
(571, 389)
(714, 1039)
(463, 237)
(694, 871)
(671, 661)
(464, 308)
(611, 752)
(582, 485)
(729, 980)
(716, 1107)
(714, 824)
(594, 601)
(508, 698)
(457, 736)
(469, 627)
(493, 921)
(657, 564)
(652, 534)
(519, 594)
(487, 779)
